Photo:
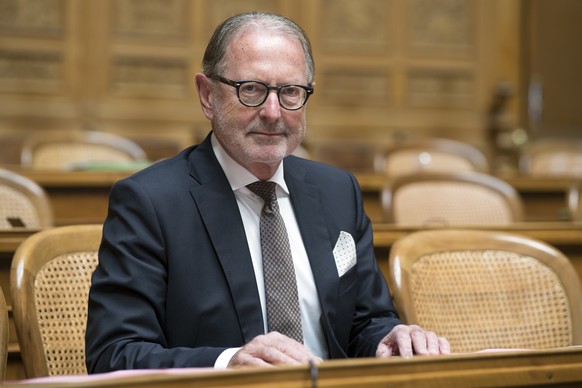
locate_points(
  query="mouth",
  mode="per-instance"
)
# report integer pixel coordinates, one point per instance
(268, 134)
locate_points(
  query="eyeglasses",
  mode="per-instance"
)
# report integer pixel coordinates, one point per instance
(254, 93)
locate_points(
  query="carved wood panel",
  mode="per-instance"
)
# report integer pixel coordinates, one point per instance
(32, 17)
(356, 26)
(383, 66)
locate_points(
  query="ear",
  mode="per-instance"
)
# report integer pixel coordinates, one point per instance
(205, 95)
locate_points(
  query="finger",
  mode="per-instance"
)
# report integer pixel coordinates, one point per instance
(276, 348)
(296, 350)
(432, 343)
(404, 341)
(383, 350)
(444, 346)
(243, 359)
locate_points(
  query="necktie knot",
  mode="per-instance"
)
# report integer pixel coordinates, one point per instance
(265, 190)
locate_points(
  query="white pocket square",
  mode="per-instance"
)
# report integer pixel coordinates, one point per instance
(344, 253)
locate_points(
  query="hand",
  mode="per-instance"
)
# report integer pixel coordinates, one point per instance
(406, 341)
(272, 349)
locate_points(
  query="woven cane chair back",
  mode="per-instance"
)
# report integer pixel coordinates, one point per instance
(551, 157)
(432, 155)
(468, 198)
(50, 280)
(23, 203)
(487, 289)
(74, 149)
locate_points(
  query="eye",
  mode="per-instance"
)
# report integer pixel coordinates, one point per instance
(249, 87)
(291, 91)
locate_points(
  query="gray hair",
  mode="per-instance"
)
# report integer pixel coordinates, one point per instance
(215, 54)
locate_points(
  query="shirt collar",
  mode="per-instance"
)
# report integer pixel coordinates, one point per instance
(237, 175)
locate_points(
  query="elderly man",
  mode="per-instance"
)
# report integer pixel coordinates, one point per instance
(235, 253)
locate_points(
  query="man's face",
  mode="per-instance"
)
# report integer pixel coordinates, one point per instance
(260, 137)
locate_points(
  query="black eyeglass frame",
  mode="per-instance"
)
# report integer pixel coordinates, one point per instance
(237, 84)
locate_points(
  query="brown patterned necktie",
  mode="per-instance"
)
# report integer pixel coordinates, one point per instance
(283, 313)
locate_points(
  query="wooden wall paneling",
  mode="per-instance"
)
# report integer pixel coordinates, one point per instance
(553, 63)
(353, 47)
(217, 11)
(147, 91)
(419, 70)
(385, 69)
(35, 65)
(355, 28)
(442, 28)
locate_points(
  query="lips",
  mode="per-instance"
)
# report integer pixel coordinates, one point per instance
(269, 134)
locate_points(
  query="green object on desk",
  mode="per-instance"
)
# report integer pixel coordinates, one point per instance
(110, 166)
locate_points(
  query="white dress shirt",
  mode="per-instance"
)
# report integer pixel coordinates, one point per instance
(250, 206)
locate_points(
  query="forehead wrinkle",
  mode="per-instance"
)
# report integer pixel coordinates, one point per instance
(252, 51)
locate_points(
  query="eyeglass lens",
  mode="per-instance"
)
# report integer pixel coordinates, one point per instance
(255, 93)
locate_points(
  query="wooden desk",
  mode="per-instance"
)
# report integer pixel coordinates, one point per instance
(544, 198)
(81, 197)
(565, 236)
(558, 367)
(77, 197)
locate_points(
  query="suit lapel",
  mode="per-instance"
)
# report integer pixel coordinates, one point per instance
(306, 201)
(219, 211)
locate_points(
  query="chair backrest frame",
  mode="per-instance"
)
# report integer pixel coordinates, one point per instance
(34, 193)
(551, 157)
(406, 251)
(116, 143)
(4, 336)
(488, 182)
(470, 156)
(32, 256)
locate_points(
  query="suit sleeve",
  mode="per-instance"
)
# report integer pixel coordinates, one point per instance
(126, 327)
(375, 315)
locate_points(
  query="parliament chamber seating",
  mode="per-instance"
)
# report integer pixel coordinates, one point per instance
(485, 289)
(50, 278)
(77, 149)
(430, 155)
(23, 203)
(448, 199)
(552, 157)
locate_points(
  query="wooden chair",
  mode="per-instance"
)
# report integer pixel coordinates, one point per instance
(445, 199)
(487, 289)
(431, 155)
(75, 149)
(23, 203)
(574, 201)
(50, 279)
(551, 157)
(4, 336)
(348, 155)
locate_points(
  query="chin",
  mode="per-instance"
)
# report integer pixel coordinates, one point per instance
(270, 156)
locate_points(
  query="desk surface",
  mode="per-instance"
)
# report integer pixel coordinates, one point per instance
(554, 233)
(86, 179)
(557, 233)
(81, 197)
(367, 181)
(10, 239)
(500, 369)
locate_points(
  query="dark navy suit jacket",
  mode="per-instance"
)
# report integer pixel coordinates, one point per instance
(175, 284)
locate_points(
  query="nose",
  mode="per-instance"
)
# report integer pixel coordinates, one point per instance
(271, 110)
